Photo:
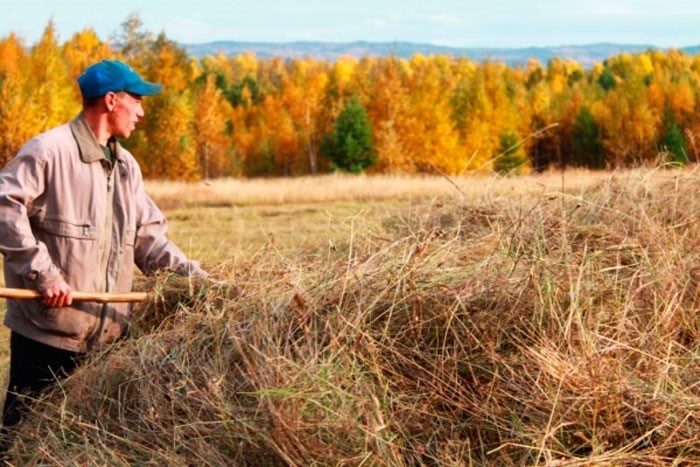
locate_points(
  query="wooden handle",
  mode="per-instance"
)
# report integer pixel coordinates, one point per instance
(99, 297)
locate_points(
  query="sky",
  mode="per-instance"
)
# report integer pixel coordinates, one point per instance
(483, 23)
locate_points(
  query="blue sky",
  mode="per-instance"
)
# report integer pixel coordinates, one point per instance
(484, 23)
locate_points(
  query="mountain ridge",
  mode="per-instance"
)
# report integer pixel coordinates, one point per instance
(586, 54)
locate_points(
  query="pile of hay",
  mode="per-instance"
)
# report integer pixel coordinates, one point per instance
(558, 328)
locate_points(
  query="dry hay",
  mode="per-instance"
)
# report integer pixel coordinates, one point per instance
(556, 329)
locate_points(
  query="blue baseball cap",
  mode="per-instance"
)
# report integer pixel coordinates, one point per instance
(114, 76)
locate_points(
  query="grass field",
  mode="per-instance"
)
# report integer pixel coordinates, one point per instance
(545, 319)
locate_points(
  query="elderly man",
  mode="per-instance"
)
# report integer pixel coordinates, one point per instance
(74, 216)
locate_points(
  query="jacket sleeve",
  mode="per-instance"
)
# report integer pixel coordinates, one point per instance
(152, 248)
(22, 181)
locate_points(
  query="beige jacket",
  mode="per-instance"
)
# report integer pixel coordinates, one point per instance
(66, 211)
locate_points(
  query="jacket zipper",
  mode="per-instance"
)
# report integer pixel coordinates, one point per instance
(106, 252)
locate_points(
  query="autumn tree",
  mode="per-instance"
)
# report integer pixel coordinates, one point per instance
(134, 42)
(387, 110)
(170, 65)
(341, 82)
(82, 50)
(283, 142)
(302, 91)
(52, 100)
(168, 145)
(245, 92)
(628, 121)
(487, 98)
(171, 152)
(15, 127)
(212, 130)
(429, 135)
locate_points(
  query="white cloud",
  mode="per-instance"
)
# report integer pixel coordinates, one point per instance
(625, 10)
(377, 23)
(184, 29)
(444, 19)
(187, 22)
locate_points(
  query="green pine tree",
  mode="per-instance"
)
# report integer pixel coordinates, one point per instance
(673, 141)
(587, 149)
(350, 145)
(510, 158)
(607, 79)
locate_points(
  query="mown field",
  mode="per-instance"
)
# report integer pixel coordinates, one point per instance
(547, 319)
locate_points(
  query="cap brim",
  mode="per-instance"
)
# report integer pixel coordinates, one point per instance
(145, 88)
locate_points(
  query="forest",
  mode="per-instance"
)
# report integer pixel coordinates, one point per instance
(240, 116)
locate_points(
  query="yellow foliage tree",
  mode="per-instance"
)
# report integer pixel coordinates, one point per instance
(282, 136)
(171, 151)
(15, 128)
(387, 109)
(52, 98)
(170, 66)
(82, 50)
(429, 138)
(485, 108)
(211, 124)
(630, 126)
(302, 92)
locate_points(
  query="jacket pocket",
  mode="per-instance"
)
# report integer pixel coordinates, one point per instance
(75, 322)
(72, 229)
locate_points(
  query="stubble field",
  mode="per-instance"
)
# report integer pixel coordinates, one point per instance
(547, 319)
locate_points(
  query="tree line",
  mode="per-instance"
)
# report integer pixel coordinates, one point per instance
(224, 116)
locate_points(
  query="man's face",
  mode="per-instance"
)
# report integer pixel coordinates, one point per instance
(126, 112)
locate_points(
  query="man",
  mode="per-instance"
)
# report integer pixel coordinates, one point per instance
(74, 216)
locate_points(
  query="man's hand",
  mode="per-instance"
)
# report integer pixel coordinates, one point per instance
(58, 294)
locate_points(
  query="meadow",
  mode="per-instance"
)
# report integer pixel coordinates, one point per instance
(538, 320)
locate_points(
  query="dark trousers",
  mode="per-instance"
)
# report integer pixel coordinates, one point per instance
(33, 366)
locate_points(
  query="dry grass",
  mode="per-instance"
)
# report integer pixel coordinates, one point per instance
(504, 328)
(338, 187)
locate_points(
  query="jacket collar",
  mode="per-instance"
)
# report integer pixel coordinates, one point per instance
(90, 150)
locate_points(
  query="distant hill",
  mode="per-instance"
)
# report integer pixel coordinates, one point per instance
(587, 55)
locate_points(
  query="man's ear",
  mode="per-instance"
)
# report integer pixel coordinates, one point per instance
(110, 100)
